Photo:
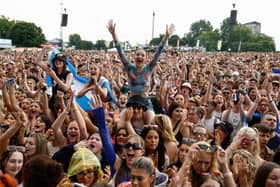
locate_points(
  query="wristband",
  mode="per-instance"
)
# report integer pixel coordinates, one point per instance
(227, 174)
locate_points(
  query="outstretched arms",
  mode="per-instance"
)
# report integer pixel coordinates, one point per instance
(169, 31)
(112, 29)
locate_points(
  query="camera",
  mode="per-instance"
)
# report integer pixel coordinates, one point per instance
(235, 97)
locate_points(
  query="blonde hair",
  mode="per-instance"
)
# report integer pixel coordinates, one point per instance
(165, 125)
(251, 133)
(251, 163)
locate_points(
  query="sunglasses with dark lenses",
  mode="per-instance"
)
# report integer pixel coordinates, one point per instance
(13, 148)
(212, 148)
(134, 146)
(4, 127)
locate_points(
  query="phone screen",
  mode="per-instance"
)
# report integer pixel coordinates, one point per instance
(10, 82)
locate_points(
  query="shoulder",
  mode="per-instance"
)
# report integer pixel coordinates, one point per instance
(171, 144)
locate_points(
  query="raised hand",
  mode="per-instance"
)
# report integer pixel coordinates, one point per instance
(221, 157)
(107, 174)
(96, 99)
(128, 114)
(111, 27)
(70, 101)
(170, 30)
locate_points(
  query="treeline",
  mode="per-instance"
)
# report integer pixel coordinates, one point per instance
(235, 38)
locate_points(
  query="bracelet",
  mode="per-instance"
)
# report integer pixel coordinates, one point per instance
(227, 174)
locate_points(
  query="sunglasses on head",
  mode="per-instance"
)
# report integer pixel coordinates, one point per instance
(212, 148)
(134, 146)
(14, 148)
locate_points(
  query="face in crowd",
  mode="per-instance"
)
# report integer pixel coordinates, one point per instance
(133, 149)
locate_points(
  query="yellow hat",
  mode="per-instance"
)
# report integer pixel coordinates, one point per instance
(84, 159)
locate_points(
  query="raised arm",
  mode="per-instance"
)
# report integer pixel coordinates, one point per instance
(80, 120)
(13, 101)
(254, 106)
(57, 124)
(99, 115)
(5, 137)
(169, 31)
(208, 95)
(112, 29)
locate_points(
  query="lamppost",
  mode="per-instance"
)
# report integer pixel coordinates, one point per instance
(64, 18)
(153, 25)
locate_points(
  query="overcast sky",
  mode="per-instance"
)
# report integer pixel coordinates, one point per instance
(134, 18)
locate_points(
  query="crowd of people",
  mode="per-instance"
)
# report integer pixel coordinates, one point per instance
(164, 118)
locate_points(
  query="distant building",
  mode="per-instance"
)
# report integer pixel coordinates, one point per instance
(254, 26)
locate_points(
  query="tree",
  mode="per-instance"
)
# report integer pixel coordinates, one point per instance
(209, 40)
(100, 44)
(225, 33)
(189, 40)
(173, 40)
(156, 41)
(86, 45)
(199, 27)
(5, 27)
(240, 37)
(24, 34)
(75, 40)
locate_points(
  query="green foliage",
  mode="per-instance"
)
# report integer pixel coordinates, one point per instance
(156, 41)
(209, 40)
(24, 34)
(5, 27)
(225, 33)
(240, 34)
(100, 44)
(86, 45)
(74, 40)
(189, 40)
(173, 40)
(200, 27)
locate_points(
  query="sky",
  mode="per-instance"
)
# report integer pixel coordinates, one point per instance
(89, 18)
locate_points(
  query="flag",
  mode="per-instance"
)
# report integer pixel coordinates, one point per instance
(197, 43)
(77, 84)
(219, 45)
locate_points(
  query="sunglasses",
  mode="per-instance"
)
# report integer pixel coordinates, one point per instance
(13, 148)
(135, 146)
(4, 127)
(212, 148)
